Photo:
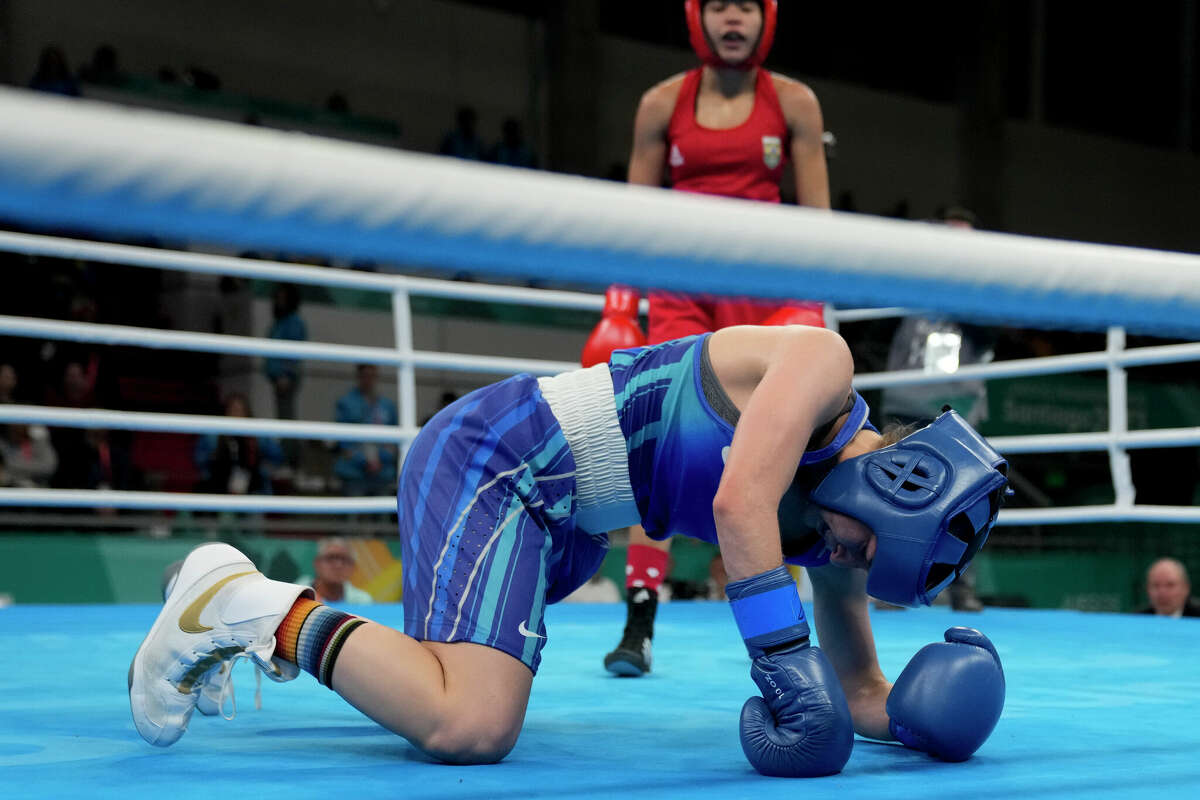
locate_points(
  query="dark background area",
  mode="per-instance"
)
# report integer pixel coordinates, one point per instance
(1127, 75)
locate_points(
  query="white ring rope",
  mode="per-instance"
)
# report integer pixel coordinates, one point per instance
(277, 348)
(200, 423)
(70, 162)
(329, 431)
(1027, 367)
(1101, 513)
(206, 264)
(178, 501)
(274, 348)
(1084, 442)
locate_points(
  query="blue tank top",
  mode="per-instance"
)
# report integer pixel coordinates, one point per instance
(677, 442)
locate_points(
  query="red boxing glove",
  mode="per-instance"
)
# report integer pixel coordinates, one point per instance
(812, 314)
(617, 329)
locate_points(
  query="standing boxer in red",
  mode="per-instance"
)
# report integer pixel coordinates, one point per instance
(726, 128)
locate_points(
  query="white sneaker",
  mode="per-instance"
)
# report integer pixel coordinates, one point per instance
(218, 684)
(219, 609)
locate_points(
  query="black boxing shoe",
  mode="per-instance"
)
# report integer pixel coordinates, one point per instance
(632, 657)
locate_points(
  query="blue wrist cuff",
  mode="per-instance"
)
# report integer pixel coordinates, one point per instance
(767, 610)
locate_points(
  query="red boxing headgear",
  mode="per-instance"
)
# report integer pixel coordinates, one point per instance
(694, 9)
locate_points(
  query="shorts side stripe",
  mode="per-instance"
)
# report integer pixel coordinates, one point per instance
(450, 537)
(501, 555)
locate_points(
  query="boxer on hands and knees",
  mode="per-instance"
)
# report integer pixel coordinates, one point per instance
(727, 128)
(750, 437)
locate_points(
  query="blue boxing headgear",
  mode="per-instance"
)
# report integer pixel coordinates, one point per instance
(930, 499)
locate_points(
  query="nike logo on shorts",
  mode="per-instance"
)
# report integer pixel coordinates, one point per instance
(528, 634)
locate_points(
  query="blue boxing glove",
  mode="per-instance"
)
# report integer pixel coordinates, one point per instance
(802, 728)
(948, 699)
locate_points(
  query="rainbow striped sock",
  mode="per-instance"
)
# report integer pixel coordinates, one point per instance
(311, 636)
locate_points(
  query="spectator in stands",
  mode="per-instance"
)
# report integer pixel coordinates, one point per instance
(87, 459)
(93, 459)
(29, 457)
(366, 468)
(71, 370)
(511, 150)
(8, 383)
(333, 566)
(1169, 590)
(104, 68)
(77, 387)
(237, 464)
(941, 345)
(463, 142)
(53, 75)
(284, 373)
(938, 345)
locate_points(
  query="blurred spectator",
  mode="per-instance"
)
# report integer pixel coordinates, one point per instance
(73, 367)
(29, 457)
(84, 456)
(284, 373)
(939, 345)
(462, 142)
(8, 383)
(597, 589)
(237, 464)
(366, 468)
(333, 566)
(1169, 590)
(511, 150)
(93, 459)
(104, 68)
(232, 312)
(77, 386)
(53, 75)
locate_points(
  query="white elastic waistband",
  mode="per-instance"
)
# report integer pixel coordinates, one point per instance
(583, 403)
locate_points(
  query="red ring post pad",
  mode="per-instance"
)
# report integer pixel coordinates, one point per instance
(767, 610)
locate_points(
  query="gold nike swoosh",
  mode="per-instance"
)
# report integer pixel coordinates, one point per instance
(189, 620)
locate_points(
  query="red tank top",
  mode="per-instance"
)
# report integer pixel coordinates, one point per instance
(746, 161)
